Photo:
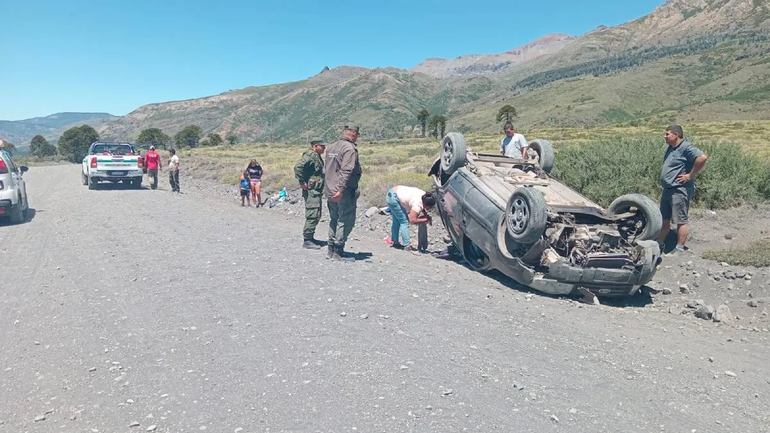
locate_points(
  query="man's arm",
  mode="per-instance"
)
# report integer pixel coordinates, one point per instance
(524, 147)
(299, 171)
(700, 162)
(502, 147)
(347, 164)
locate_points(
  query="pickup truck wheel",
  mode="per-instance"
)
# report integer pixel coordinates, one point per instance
(526, 215)
(17, 213)
(84, 178)
(91, 183)
(544, 150)
(136, 183)
(645, 225)
(452, 153)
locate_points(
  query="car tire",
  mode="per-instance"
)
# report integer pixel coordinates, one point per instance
(544, 150)
(452, 153)
(137, 183)
(526, 215)
(84, 178)
(91, 183)
(17, 213)
(648, 219)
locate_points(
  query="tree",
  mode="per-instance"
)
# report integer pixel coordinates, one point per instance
(422, 117)
(215, 139)
(437, 125)
(506, 112)
(154, 137)
(7, 146)
(74, 143)
(231, 138)
(40, 147)
(188, 137)
(37, 142)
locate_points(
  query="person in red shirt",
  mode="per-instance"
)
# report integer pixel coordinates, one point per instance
(152, 160)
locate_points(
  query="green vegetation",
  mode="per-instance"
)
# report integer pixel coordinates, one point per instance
(41, 148)
(212, 140)
(74, 143)
(423, 117)
(188, 137)
(231, 138)
(153, 137)
(604, 169)
(756, 254)
(506, 112)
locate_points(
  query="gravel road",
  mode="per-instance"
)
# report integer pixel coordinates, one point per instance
(125, 310)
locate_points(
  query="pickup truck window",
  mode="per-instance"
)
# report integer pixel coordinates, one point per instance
(113, 149)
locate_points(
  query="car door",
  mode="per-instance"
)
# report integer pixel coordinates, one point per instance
(18, 180)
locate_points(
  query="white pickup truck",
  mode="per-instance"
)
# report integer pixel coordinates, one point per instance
(113, 162)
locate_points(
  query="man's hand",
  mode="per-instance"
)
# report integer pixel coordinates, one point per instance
(684, 178)
(304, 186)
(337, 196)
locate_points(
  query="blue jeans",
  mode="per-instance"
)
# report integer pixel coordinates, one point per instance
(400, 220)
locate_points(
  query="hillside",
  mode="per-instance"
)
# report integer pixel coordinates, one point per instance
(20, 132)
(688, 60)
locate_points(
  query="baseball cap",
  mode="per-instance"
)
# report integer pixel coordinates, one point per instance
(152, 147)
(352, 128)
(317, 141)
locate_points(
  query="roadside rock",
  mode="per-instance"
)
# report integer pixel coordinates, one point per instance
(684, 289)
(753, 304)
(372, 211)
(724, 315)
(705, 312)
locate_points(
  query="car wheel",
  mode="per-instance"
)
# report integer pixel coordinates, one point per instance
(526, 215)
(91, 183)
(17, 213)
(84, 178)
(137, 183)
(544, 150)
(452, 153)
(645, 225)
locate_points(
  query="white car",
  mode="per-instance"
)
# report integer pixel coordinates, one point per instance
(13, 190)
(113, 162)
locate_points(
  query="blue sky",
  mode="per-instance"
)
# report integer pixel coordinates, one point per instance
(112, 56)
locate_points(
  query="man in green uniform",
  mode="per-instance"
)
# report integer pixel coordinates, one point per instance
(342, 172)
(309, 171)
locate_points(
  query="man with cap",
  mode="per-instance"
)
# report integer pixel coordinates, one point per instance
(342, 172)
(681, 163)
(152, 162)
(309, 172)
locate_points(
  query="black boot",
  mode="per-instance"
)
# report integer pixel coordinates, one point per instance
(310, 245)
(330, 252)
(339, 254)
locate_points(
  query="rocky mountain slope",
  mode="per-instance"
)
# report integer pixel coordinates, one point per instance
(20, 132)
(688, 60)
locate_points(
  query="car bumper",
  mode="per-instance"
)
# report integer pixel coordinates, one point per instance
(111, 176)
(564, 279)
(5, 207)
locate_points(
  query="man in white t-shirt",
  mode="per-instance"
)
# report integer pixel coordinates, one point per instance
(173, 171)
(513, 145)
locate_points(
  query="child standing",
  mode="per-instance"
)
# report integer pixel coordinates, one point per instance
(245, 189)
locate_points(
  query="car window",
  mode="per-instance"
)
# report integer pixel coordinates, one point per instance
(9, 162)
(114, 149)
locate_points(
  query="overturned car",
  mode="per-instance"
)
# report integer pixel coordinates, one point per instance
(512, 216)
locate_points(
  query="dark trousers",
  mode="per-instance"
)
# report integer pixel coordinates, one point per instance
(173, 178)
(342, 217)
(152, 173)
(312, 212)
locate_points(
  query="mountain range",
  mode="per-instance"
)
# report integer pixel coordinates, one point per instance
(51, 127)
(688, 60)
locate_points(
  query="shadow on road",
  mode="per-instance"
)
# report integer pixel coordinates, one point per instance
(117, 186)
(29, 215)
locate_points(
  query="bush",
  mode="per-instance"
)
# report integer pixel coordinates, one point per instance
(605, 169)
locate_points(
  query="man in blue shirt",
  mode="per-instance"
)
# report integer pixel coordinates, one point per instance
(681, 163)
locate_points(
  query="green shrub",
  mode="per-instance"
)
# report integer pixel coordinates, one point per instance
(605, 169)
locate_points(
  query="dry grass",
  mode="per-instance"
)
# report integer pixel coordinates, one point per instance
(407, 161)
(756, 254)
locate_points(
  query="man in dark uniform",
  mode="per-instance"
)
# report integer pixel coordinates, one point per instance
(342, 172)
(309, 171)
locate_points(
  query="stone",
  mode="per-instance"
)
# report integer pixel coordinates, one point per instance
(554, 418)
(684, 289)
(675, 310)
(152, 428)
(343, 314)
(724, 315)
(134, 424)
(40, 418)
(730, 373)
(372, 211)
(666, 291)
(752, 304)
(705, 312)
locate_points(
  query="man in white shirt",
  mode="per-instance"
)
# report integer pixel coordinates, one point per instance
(173, 171)
(513, 145)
